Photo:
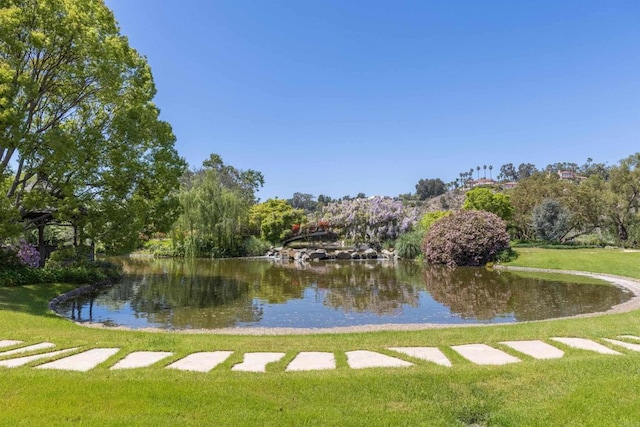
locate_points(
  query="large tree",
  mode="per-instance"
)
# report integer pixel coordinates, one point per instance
(426, 188)
(80, 135)
(622, 206)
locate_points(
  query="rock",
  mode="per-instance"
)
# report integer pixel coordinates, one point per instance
(388, 254)
(343, 255)
(318, 254)
(370, 254)
(355, 255)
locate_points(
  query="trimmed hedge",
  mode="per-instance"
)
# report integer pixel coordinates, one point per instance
(86, 273)
(466, 238)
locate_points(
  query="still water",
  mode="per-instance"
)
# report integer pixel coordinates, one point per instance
(179, 294)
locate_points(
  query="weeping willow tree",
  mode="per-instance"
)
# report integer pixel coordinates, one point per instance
(215, 203)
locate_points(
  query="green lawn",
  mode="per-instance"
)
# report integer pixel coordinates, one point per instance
(582, 388)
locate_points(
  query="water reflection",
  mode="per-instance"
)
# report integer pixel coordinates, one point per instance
(225, 293)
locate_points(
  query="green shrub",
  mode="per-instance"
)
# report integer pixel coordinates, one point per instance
(253, 246)
(408, 245)
(551, 221)
(87, 273)
(467, 237)
(431, 217)
(68, 255)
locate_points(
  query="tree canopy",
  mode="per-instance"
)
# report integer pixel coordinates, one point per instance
(80, 135)
(484, 199)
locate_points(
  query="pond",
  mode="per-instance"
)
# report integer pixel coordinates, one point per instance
(240, 293)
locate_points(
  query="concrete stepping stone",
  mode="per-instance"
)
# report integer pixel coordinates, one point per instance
(83, 361)
(312, 361)
(430, 354)
(482, 354)
(630, 337)
(628, 346)
(201, 362)
(360, 359)
(9, 343)
(20, 361)
(141, 359)
(257, 362)
(585, 344)
(535, 348)
(28, 348)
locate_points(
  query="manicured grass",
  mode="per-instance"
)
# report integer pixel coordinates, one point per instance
(582, 388)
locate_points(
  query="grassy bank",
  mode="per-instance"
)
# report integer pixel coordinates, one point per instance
(582, 388)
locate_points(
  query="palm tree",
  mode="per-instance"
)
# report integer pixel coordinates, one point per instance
(478, 168)
(490, 167)
(485, 171)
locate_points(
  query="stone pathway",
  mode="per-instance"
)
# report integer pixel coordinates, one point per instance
(478, 354)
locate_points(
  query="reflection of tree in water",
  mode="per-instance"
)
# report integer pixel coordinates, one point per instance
(484, 294)
(470, 292)
(222, 293)
(187, 293)
(367, 287)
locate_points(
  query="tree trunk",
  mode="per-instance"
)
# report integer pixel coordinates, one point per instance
(622, 232)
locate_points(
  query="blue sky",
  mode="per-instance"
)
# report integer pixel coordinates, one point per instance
(340, 97)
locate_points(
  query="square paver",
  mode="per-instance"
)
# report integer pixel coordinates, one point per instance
(536, 349)
(585, 344)
(141, 359)
(201, 362)
(82, 362)
(20, 361)
(361, 359)
(482, 354)
(312, 361)
(28, 348)
(430, 354)
(257, 362)
(627, 345)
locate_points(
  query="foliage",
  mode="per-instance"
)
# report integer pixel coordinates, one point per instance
(427, 188)
(484, 199)
(20, 254)
(274, 219)
(551, 221)
(370, 220)
(303, 201)
(252, 246)
(466, 237)
(622, 202)
(528, 194)
(215, 204)
(409, 245)
(430, 218)
(88, 272)
(68, 255)
(80, 135)
(508, 172)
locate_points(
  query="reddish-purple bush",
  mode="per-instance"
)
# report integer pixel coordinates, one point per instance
(467, 237)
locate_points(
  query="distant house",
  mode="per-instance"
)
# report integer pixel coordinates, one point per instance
(567, 175)
(509, 185)
(483, 181)
(570, 175)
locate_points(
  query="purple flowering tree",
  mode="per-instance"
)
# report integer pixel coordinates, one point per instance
(21, 253)
(370, 220)
(28, 254)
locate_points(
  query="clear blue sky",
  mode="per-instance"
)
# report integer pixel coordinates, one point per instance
(340, 97)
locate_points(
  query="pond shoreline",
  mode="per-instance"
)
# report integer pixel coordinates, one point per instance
(620, 281)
